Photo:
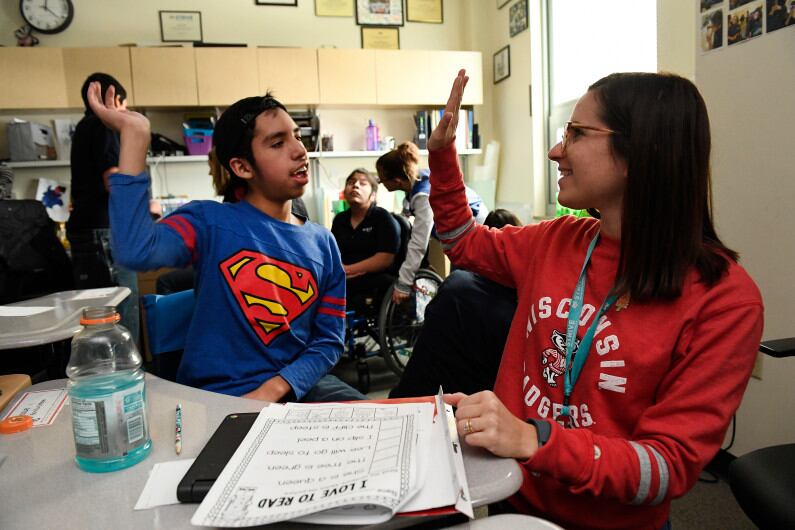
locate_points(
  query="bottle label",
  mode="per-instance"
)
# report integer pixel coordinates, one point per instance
(110, 425)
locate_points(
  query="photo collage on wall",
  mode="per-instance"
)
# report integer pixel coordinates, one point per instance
(728, 22)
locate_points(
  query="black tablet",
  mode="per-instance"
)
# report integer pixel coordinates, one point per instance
(219, 450)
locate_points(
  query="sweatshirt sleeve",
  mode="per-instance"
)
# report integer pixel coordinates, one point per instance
(418, 244)
(681, 432)
(470, 245)
(138, 242)
(328, 330)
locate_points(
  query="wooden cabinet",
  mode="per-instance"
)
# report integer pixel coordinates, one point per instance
(291, 74)
(417, 77)
(164, 77)
(36, 78)
(33, 78)
(225, 75)
(79, 63)
(346, 77)
(443, 67)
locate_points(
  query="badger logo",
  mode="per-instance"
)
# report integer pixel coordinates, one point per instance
(554, 359)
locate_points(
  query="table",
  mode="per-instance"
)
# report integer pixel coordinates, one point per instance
(20, 330)
(507, 520)
(42, 487)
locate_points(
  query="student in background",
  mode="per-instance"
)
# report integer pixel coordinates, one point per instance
(270, 289)
(462, 337)
(369, 238)
(399, 169)
(635, 333)
(94, 157)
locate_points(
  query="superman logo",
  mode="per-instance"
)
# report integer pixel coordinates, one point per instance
(271, 293)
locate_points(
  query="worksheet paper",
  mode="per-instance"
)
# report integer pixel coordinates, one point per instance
(300, 460)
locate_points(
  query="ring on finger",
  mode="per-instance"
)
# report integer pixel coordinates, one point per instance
(468, 426)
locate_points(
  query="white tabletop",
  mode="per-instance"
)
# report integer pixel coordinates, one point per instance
(53, 317)
(505, 521)
(42, 487)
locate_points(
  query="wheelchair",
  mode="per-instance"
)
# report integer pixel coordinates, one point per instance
(387, 329)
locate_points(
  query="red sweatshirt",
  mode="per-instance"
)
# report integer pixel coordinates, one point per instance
(658, 390)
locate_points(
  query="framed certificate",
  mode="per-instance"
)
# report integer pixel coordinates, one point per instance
(502, 64)
(333, 8)
(380, 37)
(180, 26)
(430, 11)
(379, 12)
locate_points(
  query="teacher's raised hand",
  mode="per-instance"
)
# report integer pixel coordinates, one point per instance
(444, 133)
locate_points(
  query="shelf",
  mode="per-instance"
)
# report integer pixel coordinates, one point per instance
(376, 154)
(154, 160)
(39, 163)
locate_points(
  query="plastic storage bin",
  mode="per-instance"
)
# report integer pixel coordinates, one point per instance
(198, 141)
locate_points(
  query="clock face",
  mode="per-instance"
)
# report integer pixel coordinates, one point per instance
(47, 16)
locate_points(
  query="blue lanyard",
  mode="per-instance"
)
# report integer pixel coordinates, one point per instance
(581, 354)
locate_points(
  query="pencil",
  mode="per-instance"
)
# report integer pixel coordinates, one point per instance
(178, 430)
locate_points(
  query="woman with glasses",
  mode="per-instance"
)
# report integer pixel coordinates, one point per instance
(399, 169)
(635, 331)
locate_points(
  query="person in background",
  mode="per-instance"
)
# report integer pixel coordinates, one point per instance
(399, 169)
(635, 332)
(94, 157)
(268, 322)
(184, 279)
(369, 238)
(466, 324)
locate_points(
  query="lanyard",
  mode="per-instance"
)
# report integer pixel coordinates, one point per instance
(579, 356)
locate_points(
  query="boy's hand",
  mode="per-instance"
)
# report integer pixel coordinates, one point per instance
(131, 126)
(272, 390)
(444, 133)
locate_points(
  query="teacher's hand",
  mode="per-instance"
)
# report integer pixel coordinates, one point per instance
(485, 422)
(444, 133)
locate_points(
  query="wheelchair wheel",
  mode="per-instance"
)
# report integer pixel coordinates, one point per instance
(400, 324)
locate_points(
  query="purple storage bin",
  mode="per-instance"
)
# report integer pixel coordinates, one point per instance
(198, 141)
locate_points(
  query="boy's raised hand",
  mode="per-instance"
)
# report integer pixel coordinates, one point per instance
(444, 133)
(131, 126)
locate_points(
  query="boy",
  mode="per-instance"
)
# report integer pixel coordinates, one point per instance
(270, 290)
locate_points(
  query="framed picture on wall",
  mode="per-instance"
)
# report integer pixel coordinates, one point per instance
(517, 17)
(502, 3)
(380, 37)
(180, 26)
(379, 12)
(429, 11)
(333, 8)
(293, 3)
(502, 64)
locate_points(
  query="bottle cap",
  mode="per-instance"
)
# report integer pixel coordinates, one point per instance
(99, 315)
(14, 424)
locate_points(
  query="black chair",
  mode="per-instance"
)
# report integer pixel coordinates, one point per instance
(32, 260)
(763, 481)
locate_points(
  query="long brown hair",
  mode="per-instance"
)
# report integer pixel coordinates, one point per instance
(399, 163)
(666, 224)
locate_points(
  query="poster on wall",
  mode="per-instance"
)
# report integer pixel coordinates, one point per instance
(780, 13)
(746, 19)
(55, 197)
(379, 12)
(712, 30)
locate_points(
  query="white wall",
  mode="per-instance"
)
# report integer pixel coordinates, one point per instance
(114, 22)
(748, 91)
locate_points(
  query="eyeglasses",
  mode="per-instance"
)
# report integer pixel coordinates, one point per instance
(572, 127)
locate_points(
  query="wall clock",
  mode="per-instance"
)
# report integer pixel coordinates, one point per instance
(47, 16)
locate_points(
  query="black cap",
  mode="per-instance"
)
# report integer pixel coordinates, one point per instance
(232, 134)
